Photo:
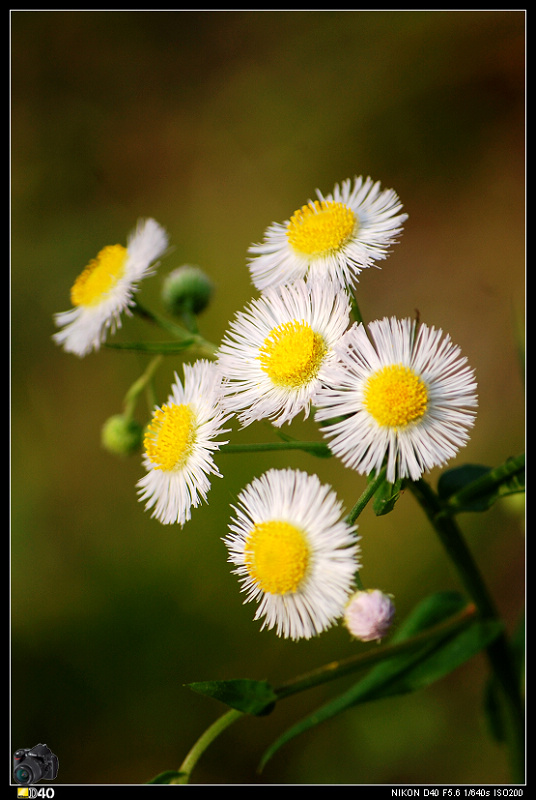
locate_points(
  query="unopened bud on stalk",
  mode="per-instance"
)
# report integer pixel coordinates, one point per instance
(187, 290)
(121, 436)
(369, 615)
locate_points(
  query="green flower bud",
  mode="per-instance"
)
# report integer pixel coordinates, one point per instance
(121, 436)
(187, 290)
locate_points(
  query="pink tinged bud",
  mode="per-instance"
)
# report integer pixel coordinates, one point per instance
(369, 615)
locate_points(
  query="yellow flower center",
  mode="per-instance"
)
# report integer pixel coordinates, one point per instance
(100, 275)
(321, 227)
(292, 354)
(395, 396)
(170, 436)
(277, 556)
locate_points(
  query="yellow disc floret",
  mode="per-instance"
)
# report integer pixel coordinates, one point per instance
(277, 556)
(321, 227)
(170, 436)
(100, 275)
(292, 354)
(395, 396)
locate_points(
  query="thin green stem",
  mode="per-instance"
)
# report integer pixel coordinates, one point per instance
(358, 582)
(454, 543)
(142, 383)
(203, 742)
(356, 312)
(315, 448)
(327, 673)
(364, 499)
(346, 666)
(181, 333)
(499, 652)
(485, 485)
(366, 496)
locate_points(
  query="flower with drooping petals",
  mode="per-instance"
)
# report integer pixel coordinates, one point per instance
(106, 287)
(179, 445)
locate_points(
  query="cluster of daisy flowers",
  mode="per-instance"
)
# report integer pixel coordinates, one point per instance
(393, 394)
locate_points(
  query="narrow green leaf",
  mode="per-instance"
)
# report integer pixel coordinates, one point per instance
(444, 658)
(386, 497)
(492, 711)
(162, 348)
(432, 610)
(474, 487)
(453, 480)
(409, 671)
(166, 777)
(250, 697)
(492, 705)
(518, 647)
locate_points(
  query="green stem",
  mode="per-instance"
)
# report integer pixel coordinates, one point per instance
(138, 386)
(356, 312)
(485, 485)
(316, 448)
(205, 347)
(498, 652)
(189, 320)
(366, 496)
(346, 666)
(203, 742)
(327, 673)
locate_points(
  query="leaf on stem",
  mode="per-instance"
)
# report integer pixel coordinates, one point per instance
(163, 348)
(166, 777)
(386, 497)
(476, 488)
(410, 671)
(250, 697)
(493, 709)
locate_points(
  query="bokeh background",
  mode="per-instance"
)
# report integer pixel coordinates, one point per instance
(218, 123)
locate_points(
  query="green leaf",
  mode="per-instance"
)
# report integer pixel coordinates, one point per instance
(453, 480)
(446, 657)
(476, 488)
(518, 647)
(250, 697)
(410, 671)
(161, 348)
(166, 777)
(492, 711)
(492, 705)
(386, 497)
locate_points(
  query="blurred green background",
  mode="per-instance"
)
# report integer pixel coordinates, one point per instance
(217, 124)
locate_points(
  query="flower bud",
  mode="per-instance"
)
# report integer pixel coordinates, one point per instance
(369, 615)
(121, 436)
(187, 289)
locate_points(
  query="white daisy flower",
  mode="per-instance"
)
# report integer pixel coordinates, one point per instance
(179, 443)
(369, 614)
(294, 554)
(106, 288)
(405, 394)
(277, 350)
(338, 235)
